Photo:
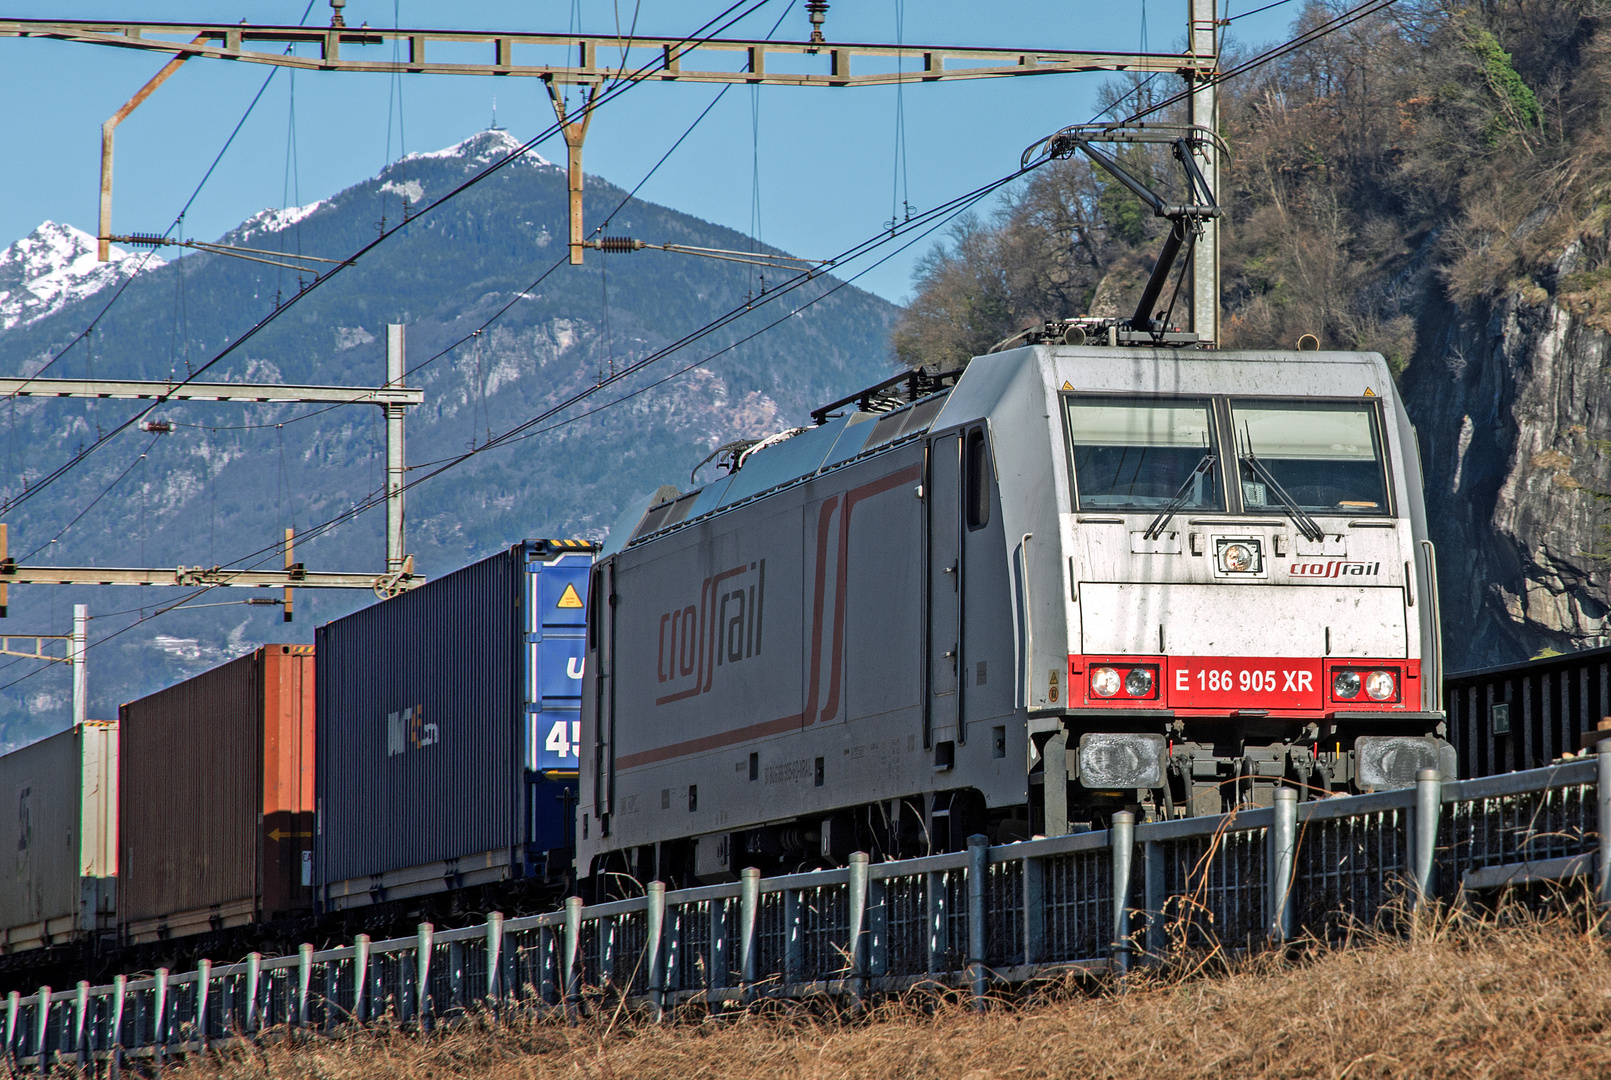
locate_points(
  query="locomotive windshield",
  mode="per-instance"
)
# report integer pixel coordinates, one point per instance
(1325, 456)
(1143, 453)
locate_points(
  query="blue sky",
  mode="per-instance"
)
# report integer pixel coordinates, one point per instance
(813, 168)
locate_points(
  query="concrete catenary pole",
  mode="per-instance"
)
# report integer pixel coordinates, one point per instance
(395, 552)
(79, 645)
(1203, 41)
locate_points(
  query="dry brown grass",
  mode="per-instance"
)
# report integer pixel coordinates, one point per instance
(1531, 999)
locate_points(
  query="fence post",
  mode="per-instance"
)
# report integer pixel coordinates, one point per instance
(159, 1022)
(1602, 755)
(81, 1025)
(13, 1008)
(856, 940)
(655, 917)
(360, 976)
(495, 955)
(978, 932)
(422, 974)
(254, 988)
(304, 981)
(1283, 841)
(42, 1034)
(120, 992)
(1122, 838)
(204, 976)
(749, 903)
(1428, 805)
(569, 977)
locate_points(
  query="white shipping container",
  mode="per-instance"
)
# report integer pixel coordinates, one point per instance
(58, 829)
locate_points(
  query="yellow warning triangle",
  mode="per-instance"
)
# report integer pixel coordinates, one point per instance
(1067, 385)
(568, 598)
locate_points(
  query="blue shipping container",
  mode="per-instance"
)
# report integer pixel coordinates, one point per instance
(448, 724)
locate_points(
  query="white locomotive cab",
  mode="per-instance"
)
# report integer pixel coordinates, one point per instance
(1242, 548)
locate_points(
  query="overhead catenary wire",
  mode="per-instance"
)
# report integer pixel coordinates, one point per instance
(602, 225)
(955, 207)
(178, 219)
(945, 210)
(104, 492)
(1308, 37)
(1359, 12)
(712, 26)
(1337, 23)
(637, 76)
(1257, 10)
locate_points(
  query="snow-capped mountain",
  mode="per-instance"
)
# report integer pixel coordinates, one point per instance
(55, 265)
(226, 478)
(485, 147)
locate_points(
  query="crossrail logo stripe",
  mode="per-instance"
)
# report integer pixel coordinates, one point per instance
(809, 715)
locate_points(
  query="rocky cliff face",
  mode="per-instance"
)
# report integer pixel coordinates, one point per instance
(1513, 407)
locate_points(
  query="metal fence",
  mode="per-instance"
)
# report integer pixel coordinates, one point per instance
(981, 918)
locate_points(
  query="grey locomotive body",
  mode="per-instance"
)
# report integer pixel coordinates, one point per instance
(1078, 580)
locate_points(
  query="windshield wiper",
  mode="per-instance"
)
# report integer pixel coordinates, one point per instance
(1306, 524)
(1172, 507)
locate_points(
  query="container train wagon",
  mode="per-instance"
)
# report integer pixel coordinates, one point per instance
(449, 721)
(1079, 579)
(215, 799)
(442, 770)
(61, 840)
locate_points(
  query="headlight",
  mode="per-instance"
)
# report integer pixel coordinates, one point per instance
(1390, 762)
(1104, 681)
(1139, 682)
(1380, 685)
(1237, 558)
(1115, 760)
(1238, 555)
(1345, 684)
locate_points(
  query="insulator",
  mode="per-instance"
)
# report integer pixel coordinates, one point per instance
(157, 427)
(619, 245)
(817, 12)
(263, 601)
(149, 239)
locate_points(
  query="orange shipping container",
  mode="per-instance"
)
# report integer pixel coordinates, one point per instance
(216, 798)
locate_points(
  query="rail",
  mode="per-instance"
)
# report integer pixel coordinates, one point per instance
(971, 921)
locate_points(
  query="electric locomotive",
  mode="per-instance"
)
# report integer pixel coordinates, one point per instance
(1011, 600)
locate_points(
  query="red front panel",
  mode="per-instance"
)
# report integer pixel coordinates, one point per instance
(1226, 684)
(1243, 682)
